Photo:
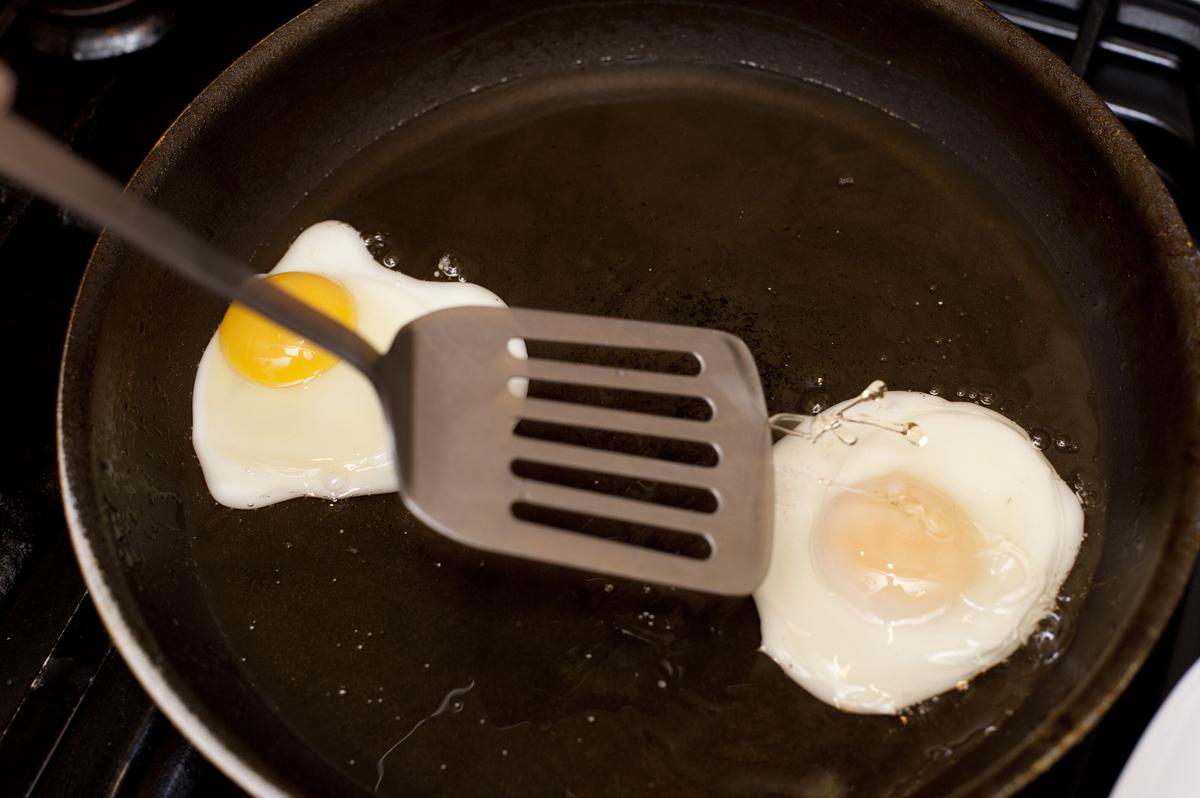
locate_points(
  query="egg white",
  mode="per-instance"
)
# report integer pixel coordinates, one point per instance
(1030, 521)
(328, 437)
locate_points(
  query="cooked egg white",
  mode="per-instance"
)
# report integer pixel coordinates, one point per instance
(900, 571)
(275, 418)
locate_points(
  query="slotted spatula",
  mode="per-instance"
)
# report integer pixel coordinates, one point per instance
(446, 385)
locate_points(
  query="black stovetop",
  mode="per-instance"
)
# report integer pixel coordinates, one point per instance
(73, 721)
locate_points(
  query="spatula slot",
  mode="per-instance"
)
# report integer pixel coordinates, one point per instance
(652, 446)
(663, 361)
(685, 497)
(693, 408)
(671, 541)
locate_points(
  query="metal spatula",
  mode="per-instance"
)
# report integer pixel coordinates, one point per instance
(452, 386)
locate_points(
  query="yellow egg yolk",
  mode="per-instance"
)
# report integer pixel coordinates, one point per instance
(897, 548)
(271, 355)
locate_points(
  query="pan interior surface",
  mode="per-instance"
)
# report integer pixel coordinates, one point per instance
(715, 164)
(840, 243)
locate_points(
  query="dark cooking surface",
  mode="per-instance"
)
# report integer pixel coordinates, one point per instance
(37, 546)
(925, 271)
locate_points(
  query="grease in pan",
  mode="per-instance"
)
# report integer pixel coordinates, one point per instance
(903, 565)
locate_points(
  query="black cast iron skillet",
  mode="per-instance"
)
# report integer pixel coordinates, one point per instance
(912, 191)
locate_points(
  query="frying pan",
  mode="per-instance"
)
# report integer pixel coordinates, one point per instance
(911, 191)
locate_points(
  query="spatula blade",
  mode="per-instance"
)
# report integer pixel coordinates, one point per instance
(453, 384)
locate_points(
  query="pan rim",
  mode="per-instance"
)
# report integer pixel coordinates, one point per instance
(1064, 726)
(1181, 266)
(167, 688)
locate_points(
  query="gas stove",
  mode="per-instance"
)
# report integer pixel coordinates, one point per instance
(108, 76)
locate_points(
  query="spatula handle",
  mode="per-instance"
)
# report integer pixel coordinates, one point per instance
(46, 167)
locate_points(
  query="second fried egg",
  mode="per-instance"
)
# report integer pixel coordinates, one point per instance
(901, 571)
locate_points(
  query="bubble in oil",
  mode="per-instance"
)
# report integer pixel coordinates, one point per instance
(1086, 488)
(815, 402)
(378, 244)
(1050, 638)
(1040, 438)
(1065, 444)
(451, 267)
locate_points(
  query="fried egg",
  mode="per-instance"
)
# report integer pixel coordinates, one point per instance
(276, 418)
(902, 568)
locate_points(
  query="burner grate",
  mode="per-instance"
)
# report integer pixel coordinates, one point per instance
(73, 721)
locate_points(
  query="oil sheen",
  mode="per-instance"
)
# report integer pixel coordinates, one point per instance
(842, 245)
